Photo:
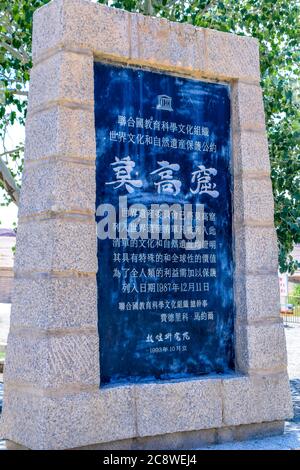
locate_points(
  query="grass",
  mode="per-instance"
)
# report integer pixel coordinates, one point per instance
(2, 356)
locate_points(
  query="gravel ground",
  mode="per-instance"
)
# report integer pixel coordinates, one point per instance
(291, 437)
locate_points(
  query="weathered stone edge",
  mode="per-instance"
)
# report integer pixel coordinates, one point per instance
(123, 36)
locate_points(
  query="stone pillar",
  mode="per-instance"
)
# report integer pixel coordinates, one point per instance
(52, 398)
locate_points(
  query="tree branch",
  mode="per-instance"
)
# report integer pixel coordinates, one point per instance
(9, 152)
(208, 6)
(148, 7)
(18, 92)
(8, 182)
(4, 78)
(24, 57)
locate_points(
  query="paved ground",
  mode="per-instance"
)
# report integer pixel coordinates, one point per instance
(292, 332)
(290, 440)
(291, 437)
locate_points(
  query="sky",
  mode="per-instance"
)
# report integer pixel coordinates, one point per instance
(8, 216)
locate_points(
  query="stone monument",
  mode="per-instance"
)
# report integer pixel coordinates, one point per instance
(146, 305)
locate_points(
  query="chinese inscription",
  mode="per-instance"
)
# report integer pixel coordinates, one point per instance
(165, 310)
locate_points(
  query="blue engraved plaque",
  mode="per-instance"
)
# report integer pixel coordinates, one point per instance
(164, 225)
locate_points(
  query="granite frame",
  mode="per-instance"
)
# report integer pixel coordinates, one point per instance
(52, 398)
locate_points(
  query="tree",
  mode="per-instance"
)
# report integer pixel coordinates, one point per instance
(294, 297)
(15, 61)
(274, 23)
